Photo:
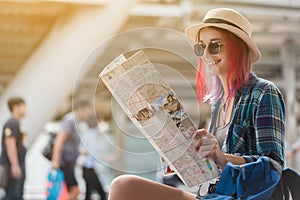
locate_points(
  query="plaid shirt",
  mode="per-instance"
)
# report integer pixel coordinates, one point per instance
(257, 125)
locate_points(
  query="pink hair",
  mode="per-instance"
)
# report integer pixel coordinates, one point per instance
(238, 71)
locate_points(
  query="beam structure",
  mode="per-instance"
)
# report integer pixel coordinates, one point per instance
(49, 75)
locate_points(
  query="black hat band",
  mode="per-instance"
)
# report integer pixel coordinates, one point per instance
(221, 21)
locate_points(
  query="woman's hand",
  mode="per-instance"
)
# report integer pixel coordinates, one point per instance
(208, 147)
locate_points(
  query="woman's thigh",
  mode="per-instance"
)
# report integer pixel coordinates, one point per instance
(129, 187)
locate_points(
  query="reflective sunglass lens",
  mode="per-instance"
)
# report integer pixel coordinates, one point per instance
(214, 48)
(198, 49)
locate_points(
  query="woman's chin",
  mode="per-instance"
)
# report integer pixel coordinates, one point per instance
(212, 70)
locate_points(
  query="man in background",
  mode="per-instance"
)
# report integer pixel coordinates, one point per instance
(13, 150)
(66, 146)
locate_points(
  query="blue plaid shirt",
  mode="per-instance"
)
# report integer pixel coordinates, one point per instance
(257, 125)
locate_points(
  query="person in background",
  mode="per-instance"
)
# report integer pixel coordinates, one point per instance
(90, 150)
(13, 151)
(248, 113)
(293, 153)
(66, 146)
(294, 150)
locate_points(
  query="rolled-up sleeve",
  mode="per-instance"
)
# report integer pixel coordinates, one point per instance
(270, 122)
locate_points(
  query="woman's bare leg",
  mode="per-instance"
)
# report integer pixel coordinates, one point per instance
(129, 187)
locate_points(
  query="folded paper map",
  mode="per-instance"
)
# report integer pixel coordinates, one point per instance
(154, 108)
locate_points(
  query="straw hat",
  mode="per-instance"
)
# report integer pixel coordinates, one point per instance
(230, 20)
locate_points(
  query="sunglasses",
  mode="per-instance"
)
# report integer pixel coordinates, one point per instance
(214, 47)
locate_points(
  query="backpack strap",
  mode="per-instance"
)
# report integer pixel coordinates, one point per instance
(292, 180)
(275, 165)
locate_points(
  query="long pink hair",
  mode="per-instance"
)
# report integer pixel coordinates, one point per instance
(238, 71)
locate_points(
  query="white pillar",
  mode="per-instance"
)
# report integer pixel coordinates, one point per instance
(47, 78)
(288, 57)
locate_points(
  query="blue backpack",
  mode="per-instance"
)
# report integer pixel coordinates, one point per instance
(252, 181)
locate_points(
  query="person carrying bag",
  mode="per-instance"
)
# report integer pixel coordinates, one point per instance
(56, 186)
(248, 115)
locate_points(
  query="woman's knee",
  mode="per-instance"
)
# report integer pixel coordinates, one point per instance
(124, 182)
(132, 187)
(122, 187)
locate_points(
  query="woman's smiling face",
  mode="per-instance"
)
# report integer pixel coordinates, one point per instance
(216, 64)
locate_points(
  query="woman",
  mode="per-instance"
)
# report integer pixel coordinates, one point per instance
(248, 113)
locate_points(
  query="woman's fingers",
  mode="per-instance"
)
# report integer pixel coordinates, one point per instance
(206, 147)
(200, 136)
(200, 133)
(198, 144)
(205, 143)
